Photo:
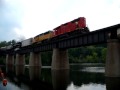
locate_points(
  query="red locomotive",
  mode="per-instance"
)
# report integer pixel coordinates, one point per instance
(76, 24)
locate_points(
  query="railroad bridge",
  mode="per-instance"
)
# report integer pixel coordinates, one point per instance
(59, 47)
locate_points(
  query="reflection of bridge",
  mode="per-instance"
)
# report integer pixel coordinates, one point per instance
(60, 46)
(51, 79)
(58, 79)
(36, 80)
(32, 81)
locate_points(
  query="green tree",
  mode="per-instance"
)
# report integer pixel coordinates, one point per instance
(3, 43)
(89, 59)
(95, 57)
(104, 53)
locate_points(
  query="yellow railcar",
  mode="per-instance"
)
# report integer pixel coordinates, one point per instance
(44, 36)
(36, 39)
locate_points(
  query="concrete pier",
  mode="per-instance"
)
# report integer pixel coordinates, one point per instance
(35, 59)
(112, 68)
(9, 59)
(20, 59)
(60, 59)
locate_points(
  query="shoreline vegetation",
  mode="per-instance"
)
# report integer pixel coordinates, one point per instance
(86, 54)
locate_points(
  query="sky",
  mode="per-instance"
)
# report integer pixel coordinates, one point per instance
(22, 19)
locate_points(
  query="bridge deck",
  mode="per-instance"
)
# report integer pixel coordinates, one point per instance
(77, 40)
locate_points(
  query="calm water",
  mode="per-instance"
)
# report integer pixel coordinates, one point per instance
(77, 78)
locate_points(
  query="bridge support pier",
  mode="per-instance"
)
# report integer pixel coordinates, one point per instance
(9, 59)
(35, 59)
(112, 68)
(20, 59)
(60, 59)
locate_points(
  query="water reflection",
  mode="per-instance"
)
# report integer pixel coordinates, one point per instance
(9, 68)
(10, 72)
(37, 78)
(112, 83)
(19, 69)
(60, 79)
(82, 78)
(34, 72)
(90, 86)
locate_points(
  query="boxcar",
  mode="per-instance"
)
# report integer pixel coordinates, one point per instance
(26, 42)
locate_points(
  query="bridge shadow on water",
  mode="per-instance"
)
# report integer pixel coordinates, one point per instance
(36, 78)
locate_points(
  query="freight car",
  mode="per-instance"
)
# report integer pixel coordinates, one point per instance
(27, 42)
(44, 36)
(9, 47)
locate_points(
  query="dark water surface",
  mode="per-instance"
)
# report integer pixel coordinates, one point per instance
(77, 78)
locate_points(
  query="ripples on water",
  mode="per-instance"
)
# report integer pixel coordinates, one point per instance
(77, 78)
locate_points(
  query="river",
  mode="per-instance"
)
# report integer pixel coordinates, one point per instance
(79, 77)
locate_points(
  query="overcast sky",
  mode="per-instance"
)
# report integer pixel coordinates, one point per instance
(28, 18)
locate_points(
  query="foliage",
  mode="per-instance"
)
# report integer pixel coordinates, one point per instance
(5, 43)
(46, 58)
(89, 54)
(2, 60)
(104, 51)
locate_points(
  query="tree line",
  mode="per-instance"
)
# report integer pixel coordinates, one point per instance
(86, 54)
(6, 43)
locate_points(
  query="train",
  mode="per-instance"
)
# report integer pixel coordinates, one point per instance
(78, 24)
(75, 25)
